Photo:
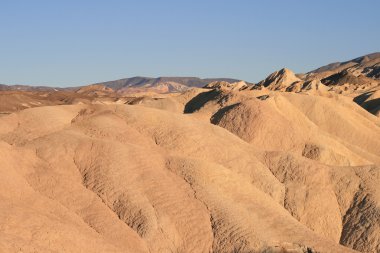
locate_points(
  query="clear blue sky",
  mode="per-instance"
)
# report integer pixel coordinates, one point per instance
(77, 42)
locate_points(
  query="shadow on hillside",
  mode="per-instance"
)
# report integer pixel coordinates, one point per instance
(200, 100)
(215, 119)
(361, 98)
(373, 105)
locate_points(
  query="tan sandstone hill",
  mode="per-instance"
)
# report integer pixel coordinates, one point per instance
(291, 164)
(126, 178)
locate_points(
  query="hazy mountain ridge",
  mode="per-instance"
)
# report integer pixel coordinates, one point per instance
(175, 84)
(367, 65)
(136, 84)
(6, 87)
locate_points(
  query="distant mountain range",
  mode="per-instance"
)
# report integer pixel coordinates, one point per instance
(150, 82)
(360, 70)
(160, 84)
(28, 87)
(137, 84)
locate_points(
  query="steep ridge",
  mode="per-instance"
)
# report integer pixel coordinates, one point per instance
(286, 80)
(226, 85)
(367, 65)
(280, 80)
(370, 101)
(348, 82)
(354, 78)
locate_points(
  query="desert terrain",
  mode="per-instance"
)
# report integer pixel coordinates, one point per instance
(288, 164)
